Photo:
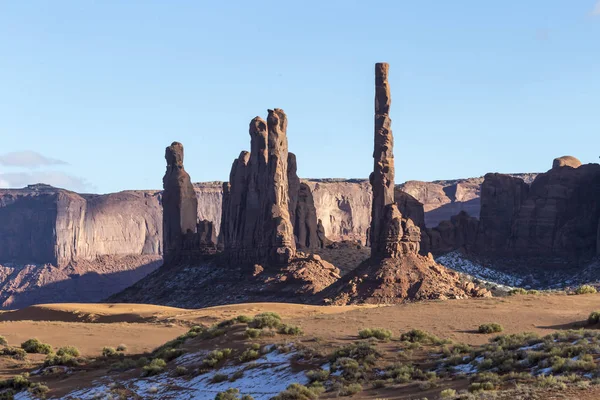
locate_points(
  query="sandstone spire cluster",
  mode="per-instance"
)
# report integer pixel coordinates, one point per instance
(183, 235)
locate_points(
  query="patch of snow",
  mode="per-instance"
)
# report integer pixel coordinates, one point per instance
(262, 379)
(465, 369)
(532, 347)
(457, 262)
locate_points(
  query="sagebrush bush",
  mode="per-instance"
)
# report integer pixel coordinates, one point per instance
(490, 328)
(419, 336)
(296, 391)
(124, 365)
(121, 348)
(594, 317)
(63, 359)
(108, 351)
(317, 375)
(14, 352)
(35, 346)
(218, 378)
(244, 319)
(378, 333)
(350, 389)
(448, 393)
(232, 394)
(253, 333)
(214, 357)
(39, 390)
(249, 355)
(289, 330)
(517, 291)
(155, 367)
(3, 341)
(266, 320)
(68, 350)
(585, 289)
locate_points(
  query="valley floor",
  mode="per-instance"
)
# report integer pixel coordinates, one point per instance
(142, 328)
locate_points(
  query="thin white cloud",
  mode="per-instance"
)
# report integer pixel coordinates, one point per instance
(28, 159)
(58, 179)
(596, 10)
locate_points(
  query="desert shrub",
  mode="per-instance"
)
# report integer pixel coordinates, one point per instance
(14, 352)
(244, 319)
(39, 390)
(169, 354)
(481, 386)
(3, 341)
(317, 375)
(533, 291)
(64, 359)
(266, 320)
(124, 365)
(18, 383)
(181, 371)
(232, 394)
(350, 390)
(585, 289)
(108, 351)
(249, 355)
(448, 393)
(155, 367)
(517, 291)
(378, 333)
(594, 317)
(214, 357)
(35, 346)
(297, 392)
(253, 333)
(289, 330)
(490, 328)
(236, 375)
(361, 351)
(218, 378)
(419, 336)
(121, 348)
(68, 350)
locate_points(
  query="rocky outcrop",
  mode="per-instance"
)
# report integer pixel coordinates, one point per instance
(460, 232)
(395, 272)
(183, 236)
(256, 221)
(303, 213)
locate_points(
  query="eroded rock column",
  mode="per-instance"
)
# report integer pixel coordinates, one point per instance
(382, 178)
(180, 205)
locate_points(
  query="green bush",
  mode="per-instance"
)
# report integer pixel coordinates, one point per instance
(317, 375)
(419, 336)
(481, 386)
(14, 352)
(448, 393)
(3, 341)
(298, 392)
(266, 320)
(585, 289)
(594, 317)
(64, 359)
(109, 351)
(378, 333)
(517, 291)
(155, 367)
(253, 333)
(243, 319)
(68, 350)
(18, 383)
(218, 378)
(124, 365)
(39, 390)
(214, 357)
(490, 328)
(121, 348)
(289, 330)
(142, 362)
(35, 346)
(249, 355)
(232, 394)
(350, 390)
(181, 371)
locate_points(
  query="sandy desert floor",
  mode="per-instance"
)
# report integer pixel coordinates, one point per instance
(142, 328)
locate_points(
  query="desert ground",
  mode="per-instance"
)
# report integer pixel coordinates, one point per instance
(143, 328)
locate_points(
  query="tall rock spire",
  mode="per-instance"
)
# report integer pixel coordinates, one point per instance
(180, 205)
(382, 178)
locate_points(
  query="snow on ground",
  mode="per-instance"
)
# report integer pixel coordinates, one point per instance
(458, 263)
(262, 379)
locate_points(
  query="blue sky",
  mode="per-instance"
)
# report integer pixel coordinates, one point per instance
(91, 92)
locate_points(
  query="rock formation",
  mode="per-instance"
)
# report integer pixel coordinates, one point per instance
(382, 178)
(395, 272)
(556, 217)
(183, 236)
